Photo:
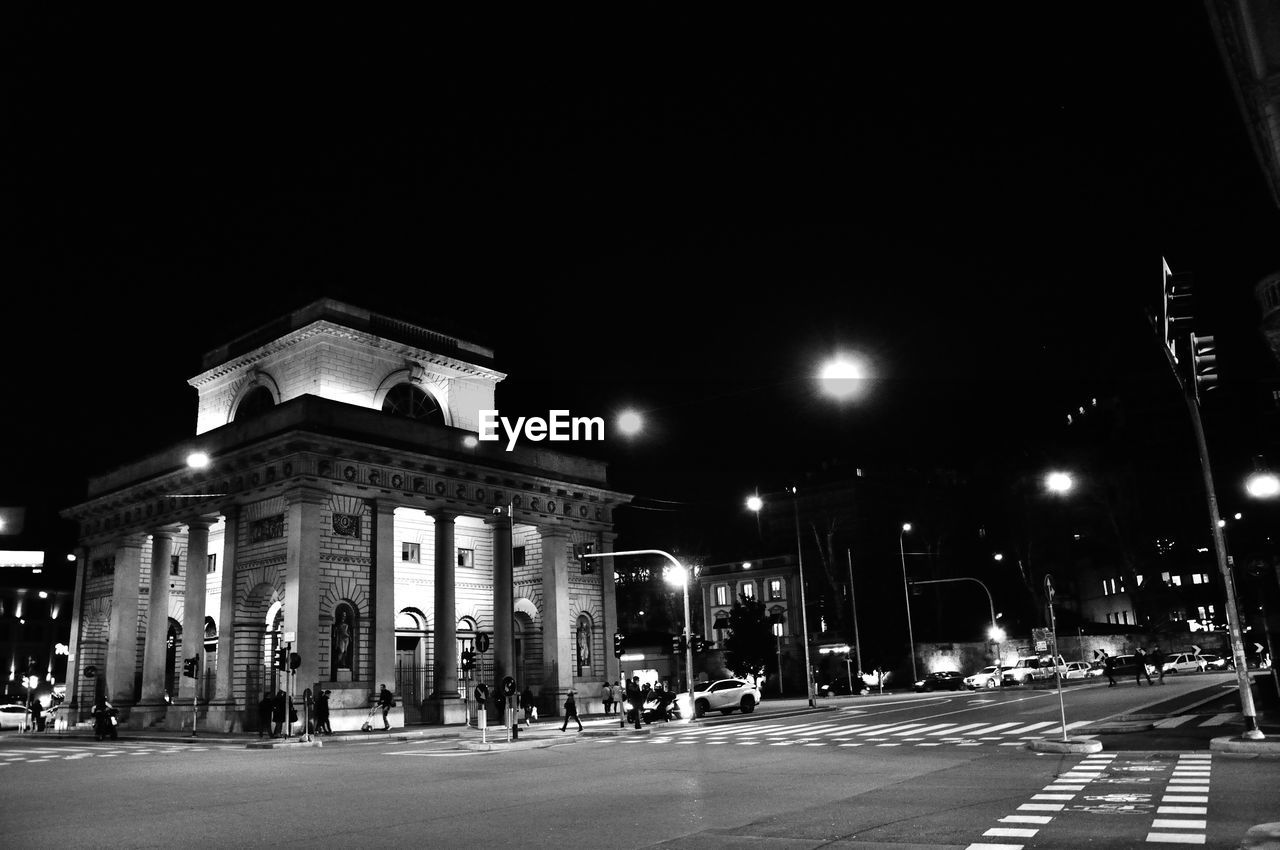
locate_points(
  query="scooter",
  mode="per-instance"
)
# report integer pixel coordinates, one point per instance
(104, 722)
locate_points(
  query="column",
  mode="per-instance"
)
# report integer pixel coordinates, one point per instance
(609, 605)
(446, 613)
(302, 583)
(382, 622)
(193, 606)
(76, 701)
(557, 631)
(503, 600)
(225, 714)
(122, 648)
(153, 653)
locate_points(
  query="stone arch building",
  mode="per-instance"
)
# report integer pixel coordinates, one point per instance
(345, 515)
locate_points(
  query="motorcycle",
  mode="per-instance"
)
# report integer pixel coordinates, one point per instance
(105, 721)
(662, 707)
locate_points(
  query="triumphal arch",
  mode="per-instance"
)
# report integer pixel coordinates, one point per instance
(345, 514)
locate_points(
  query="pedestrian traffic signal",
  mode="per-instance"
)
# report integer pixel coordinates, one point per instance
(282, 659)
(189, 667)
(295, 661)
(468, 660)
(1177, 307)
(698, 644)
(584, 564)
(678, 644)
(618, 640)
(1204, 355)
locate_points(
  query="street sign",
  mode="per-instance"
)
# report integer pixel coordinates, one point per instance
(482, 642)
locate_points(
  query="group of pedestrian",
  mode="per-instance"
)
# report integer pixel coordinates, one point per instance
(1141, 670)
(272, 711)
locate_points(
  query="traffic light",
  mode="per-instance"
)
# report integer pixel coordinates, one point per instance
(1177, 307)
(1204, 355)
(468, 660)
(295, 661)
(189, 667)
(678, 644)
(619, 639)
(282, 658)
(699, 644)
(586, 565)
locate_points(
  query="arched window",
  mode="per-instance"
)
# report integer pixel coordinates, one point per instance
(255, 403)
(412, 403)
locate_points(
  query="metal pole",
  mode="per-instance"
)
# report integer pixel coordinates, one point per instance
(1053, 632)
(804, 618)
(688, 639)
(778, 634)
(853, 603)
(907, 598)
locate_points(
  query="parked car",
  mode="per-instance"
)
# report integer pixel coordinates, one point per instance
(1076, 670)
(1097, 668)
(941, 680)
(725, 695)
(1213, 662)
(1183, 662)
(987, 677)
(13, 716)
(1032, 668)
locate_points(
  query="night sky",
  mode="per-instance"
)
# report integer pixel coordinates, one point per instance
(681, 212)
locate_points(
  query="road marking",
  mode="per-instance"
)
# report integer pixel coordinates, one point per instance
(950, 732)
(1064, 788)
(1030, 728)
(1037, 819)
(1170, 823)
(981, 846)
(1009, 832)
(1040, 807)
(1173, 722)
(1182, 810)
(924, 730)
(1190, 789)
(989, 728)
(1219, 719)
(1174, 838)
(1172, 798)
(1053, 796)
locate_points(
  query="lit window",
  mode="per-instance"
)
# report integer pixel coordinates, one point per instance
(775, 588)
(1177, 581)
(1165, 578)
(748, 589)
(410, 553)
(466, 557)
(722, 594)
(1196, 578)
(1139, 581)
(1105, 590)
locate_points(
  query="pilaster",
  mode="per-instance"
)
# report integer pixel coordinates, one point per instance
(557, 631)
(503, 599)
(224, 711)
(302, 580)
(122, 650)
(444, 706)
(383, 593)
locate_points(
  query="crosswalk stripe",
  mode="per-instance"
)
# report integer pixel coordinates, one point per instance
(988, 729)
(1174, 838)
(959, 729)
(1029, 728)
(898, 728)
(1173, 722)
(924, 730)
(1219, 719)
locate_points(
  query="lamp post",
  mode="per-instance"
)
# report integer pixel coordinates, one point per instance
(906, 595)
(755, 503)
(996, 633)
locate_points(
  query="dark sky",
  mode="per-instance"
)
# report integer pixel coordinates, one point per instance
(685, 212)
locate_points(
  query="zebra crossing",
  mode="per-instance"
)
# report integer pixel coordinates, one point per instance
(923, 733)
(104, 750)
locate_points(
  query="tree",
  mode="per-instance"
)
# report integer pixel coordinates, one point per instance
(750, 644)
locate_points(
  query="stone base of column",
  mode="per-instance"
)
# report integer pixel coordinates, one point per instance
(444, 711)
(222, 717)
(179, 717)
(145, 715)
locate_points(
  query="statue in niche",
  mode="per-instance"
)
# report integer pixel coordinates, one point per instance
(584, 649)
(342, 642)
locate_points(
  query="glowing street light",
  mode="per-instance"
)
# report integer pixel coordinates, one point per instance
(198, 460)
(630, 423)
(755, 503)
(906, 595)
(1263, 485)
(843, 377)
(1058, 482)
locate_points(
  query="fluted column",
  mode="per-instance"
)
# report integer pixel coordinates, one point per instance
(446, 613)
(193, 601)
(122, 650)
(609, 605)
(503, 599)
(153, 653)
(383, 619)
(557, 631)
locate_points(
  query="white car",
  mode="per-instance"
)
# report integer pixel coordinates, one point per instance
(987, 677)
(1183, 662)
(14, 716)
(725, 695)
(1076, 670)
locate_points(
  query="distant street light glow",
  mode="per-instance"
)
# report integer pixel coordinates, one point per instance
(630, 423)
(198, 460)
(1263, 485)
(1058, 482)
(997, 557)
(843, 377)
(470, 441)
(754, 503)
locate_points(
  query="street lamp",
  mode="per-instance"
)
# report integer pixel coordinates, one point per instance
(906, 595)
(995, 633)
(679, 574)
(755, 503)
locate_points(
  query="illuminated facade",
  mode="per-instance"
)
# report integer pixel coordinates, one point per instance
(344, 516)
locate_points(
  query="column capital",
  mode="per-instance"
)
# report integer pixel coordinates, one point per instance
(556, 531)
(200, 523)
(131, 541)
(442, 514)
(164, 534)
(384, 506)
(501, 520)
(312, 495)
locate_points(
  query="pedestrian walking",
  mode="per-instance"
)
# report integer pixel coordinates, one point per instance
(570, 710)
(265, 706)
(386, 702)
(1140, 658)
(322, 714)
(526, 703)
(635, 701)
(606, 692)
(281, 707)
(1158, 655)
(1109, 664)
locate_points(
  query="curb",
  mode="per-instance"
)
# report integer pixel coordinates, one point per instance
(1071, 745)
(1118, 727)
(1269, 747)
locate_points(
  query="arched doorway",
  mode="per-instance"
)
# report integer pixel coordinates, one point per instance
(413, 674)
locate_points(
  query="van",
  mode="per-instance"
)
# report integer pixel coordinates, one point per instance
(1033, 668)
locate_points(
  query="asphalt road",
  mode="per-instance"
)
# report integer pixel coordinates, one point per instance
(898, 770)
